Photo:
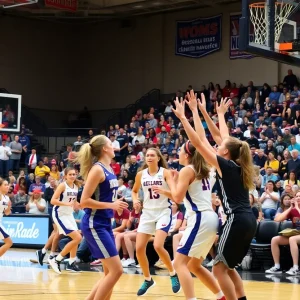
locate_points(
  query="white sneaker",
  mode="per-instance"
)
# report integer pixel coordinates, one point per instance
(55, 265)
(210, 264)
(274, 270)
(293, 271)
(128, 263)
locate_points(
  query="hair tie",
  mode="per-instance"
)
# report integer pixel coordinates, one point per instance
(187, 150)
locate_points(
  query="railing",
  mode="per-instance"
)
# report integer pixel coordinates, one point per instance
(123, 116)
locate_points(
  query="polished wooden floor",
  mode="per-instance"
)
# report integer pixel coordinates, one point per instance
(21, 279)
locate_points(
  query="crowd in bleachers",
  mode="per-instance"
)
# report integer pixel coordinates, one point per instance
(267, 118)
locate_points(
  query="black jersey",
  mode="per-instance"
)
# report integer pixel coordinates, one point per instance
(234, 196)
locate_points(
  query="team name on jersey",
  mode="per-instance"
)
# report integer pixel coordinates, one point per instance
(72, 194)
(152, 182)
(113, 183)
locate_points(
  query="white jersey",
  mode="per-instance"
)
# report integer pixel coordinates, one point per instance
(69, 195)
(198, 195)
(213, 177)
(152, 200)
(3, 205)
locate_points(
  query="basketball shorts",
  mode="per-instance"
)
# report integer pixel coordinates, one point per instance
(3, 233)
(199, 235)
(155, 219)
(99, 237)
(235, 239)
(66, 224)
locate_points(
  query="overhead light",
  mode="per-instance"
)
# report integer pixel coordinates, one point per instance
(137, 6)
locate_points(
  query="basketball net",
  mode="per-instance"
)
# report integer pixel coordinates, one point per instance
(260, 21)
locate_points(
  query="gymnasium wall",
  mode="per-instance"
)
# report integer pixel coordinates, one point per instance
(102, 66)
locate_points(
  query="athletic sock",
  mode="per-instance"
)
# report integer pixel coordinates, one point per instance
(243, 298)
(277, 266)
(296, 267)
(71, 260)
(192, 299)
(172, 273)
(219, 295)
(59, 257)
(52, 253)
(44, 250)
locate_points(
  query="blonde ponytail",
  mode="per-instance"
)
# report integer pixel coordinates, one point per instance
(240, 153)
(90, 153)
(247, 168)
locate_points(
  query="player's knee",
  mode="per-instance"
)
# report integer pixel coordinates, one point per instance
(158, 246)
(78, 238)
(118, 271)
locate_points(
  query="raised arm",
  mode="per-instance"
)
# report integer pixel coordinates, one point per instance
(214, 130)
(192, 103)
(208, 154)
(222, 108)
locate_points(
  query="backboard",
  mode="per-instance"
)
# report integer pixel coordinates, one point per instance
(276, 29)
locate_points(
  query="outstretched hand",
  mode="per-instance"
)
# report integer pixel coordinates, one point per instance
(179, 111)
(222, 108)
(192, 100)
(202, 103)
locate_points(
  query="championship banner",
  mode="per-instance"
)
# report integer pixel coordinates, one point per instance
(198, 38)
(234, 52)
(70, 5)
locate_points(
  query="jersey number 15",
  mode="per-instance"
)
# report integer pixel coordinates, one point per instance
(152, 194)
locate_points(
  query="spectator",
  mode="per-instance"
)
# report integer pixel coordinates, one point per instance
(54, 173)
(139, 137)
(121, 188)
(65, 155)
(123, 141)
(132, 170)
(292, 213)
(293, 164)
(269, 200)
(272, 163)
(285, 204)
(32, 161)
(293, 145)
(41, 171)
(127, 193)
(290, 80)
(20, 199)
(5, 153)
(25, 141)
(37, 186)
(78, 144)
(16, 150)
(21, 184)
(152, 121)
(49, 191)
(116, 167)
(268, 177)
(292, 180)
(36, 205)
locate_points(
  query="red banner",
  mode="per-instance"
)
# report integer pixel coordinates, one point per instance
(70, 5)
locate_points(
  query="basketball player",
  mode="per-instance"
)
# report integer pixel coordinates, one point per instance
(96, 223)
(63, 200)
(235, 174)
(5, 209)
(156, 216)
(193, 186)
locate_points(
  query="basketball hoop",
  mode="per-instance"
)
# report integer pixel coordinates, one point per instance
(260, 20)
(15, 3)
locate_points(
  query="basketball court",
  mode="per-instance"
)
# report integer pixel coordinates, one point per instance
(21, 279)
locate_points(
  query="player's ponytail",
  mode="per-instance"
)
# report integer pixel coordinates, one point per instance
(89, 153)
(240, 153)
(201, 167)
